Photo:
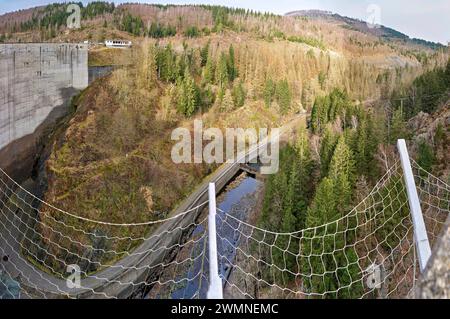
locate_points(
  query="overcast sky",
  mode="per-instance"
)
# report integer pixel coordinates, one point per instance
(425, 19)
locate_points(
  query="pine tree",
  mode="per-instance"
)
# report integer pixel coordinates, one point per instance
(426, 157)
(302, 178)
(204, 54)
(275, 199)
(342, 171)
(398, 127)
(361, 147)
(338, 103)
(269, 92)
(286, 248)
(208, 71)
(149, 67)
(323, 206)
(238, 94)
(365, 146)
(335, 265)
(319, 113)
(307, 96)
(394, 212)
(342, 161)
(232, 71)
(222, 71)
(283, 96)
(315, 122)
(274, 217)
(166, 62)
(327, 147)
(325, 110)
(227, 102)
(188, 94)
(322, 78)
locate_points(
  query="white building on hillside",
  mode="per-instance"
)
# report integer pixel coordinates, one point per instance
(118, 43)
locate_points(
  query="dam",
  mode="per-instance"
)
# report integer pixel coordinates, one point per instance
(37, 81)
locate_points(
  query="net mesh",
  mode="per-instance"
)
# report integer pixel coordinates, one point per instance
(367, 253)
(52, 253)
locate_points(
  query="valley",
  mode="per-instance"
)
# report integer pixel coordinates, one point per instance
(108, 197)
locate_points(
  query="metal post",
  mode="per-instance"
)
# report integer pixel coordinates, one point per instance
(420, 232)
(215, 283)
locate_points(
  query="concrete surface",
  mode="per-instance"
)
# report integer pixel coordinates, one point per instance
(37, 81)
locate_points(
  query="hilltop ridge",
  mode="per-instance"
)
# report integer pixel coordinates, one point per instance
(43, 22)
(361, 26)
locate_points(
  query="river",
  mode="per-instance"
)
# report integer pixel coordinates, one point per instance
(238, 199)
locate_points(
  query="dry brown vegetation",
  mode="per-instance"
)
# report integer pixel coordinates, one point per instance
(113, 162)
(101, 56)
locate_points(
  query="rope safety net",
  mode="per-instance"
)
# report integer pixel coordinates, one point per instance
(367, 253)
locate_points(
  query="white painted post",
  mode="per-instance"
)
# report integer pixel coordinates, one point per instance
(420, 232)
(215, 283)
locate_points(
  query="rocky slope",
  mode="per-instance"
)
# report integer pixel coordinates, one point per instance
(435, 130)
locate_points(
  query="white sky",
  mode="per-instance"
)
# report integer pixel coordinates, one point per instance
(425, 19)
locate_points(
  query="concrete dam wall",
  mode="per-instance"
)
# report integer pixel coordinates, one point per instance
(37, 81)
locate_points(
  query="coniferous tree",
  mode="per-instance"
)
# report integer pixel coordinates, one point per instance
(338, 103)
(361, 147)
(342, 171)
(208, 71)
(232, 71)
(227, 102)
(222, 71)
(238, 94)
(204, 54)
(269, 92)
(307, 96)
(319, 113)
(342, 161)
(206, 97)
(394, 212)
(327, 146)
(365, 145)
(188, 94)
(283, 95)
(149, 66)
(321, 211)
(302, 178)
(192, 32)
(167, 65)
(398, 127)
(285, 253)
(426, 157)
(315, 122)
(335, 264)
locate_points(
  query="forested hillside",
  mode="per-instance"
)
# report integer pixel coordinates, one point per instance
(328, 169)
(231, 68)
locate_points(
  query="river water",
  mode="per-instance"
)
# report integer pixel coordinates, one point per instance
(237, 200)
